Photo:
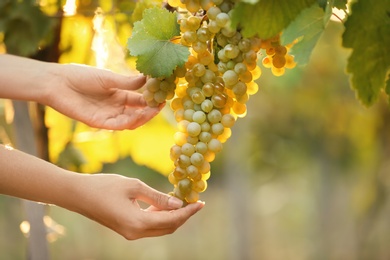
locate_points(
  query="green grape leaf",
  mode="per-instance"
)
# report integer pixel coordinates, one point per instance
(308, 28)
(141, 6)
(157, 55)
(340, 4)
(323, 3)
(267, 18)
(367, 32)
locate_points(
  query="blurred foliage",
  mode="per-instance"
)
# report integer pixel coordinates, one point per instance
(73, 145)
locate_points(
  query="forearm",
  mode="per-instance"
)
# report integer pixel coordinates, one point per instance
(25, 176)
(25, 79)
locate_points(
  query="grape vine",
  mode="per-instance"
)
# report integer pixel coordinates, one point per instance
(208, 86)
(209, 92)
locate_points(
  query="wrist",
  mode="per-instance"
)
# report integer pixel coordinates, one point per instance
(50, 77)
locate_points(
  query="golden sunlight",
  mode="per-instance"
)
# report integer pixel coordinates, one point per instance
(70, 8)
(98, 44)
(109, 54)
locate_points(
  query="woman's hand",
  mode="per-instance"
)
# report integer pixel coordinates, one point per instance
(96, 97)
(112, 200)
(99, 98)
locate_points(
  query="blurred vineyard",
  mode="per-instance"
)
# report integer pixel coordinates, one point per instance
(306, 174)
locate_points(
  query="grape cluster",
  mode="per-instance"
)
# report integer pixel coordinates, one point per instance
(211, 91)
(158, 90)
(277, 56)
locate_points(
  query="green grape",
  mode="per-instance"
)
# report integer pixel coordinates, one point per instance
(213, 12)
(214, 145)
(214, 116)
(197, 159)
(245, 45)
(179, 173)
(188, 113)
(160, 96)
(185, 186)
(199, 117)
(207, 105)
(203, 34)
(217, 128)
(201, 147)
(198, 97)
(192, 171)
(222, 19)
(148, 95)
(219, 100)
(230, 77)
(205, 137)
(179, 115)
(180, 138)
(193, 22)
(192, 197)
(206, 4)
(205, 126)
(208, 89)
(240, 68)
(199, 69)
(183, 161)
(193, 129)
(239, 89)
(228, 120)
(189, 37)
(209, 76)
(175, 152)
(182, 125)
(213, 27)
(187, 149)
(199, 186)
(231, 51)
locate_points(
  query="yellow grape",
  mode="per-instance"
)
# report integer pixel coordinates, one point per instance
(278, 71)
(278, 61)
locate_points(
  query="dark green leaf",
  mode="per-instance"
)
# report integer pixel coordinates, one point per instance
(340, 4)
(267, 18)
(323, 3)
(24, 34)
(367, 32)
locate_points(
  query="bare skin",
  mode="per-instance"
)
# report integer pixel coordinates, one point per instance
(100, 99)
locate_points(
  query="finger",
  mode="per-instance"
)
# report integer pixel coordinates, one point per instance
(130, 82)
(140, 117)
(134, 99)
(156, 198)
(160, 223)
(132, 119)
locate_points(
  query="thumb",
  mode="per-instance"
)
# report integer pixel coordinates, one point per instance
(130, 82)
(158, 199)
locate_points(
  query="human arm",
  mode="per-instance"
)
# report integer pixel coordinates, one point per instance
(109, 199)
(96, 97)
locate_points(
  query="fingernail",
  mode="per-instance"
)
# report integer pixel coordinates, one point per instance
(201, 204)
(175, 203)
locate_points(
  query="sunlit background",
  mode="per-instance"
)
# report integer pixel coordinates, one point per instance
(306, 174)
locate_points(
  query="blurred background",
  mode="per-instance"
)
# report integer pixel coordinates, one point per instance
(305, 175)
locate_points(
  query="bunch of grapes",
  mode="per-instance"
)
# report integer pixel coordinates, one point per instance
(211, 91)
(277, 56)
